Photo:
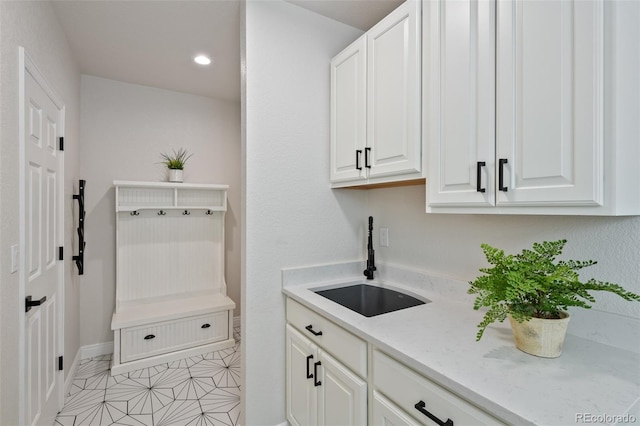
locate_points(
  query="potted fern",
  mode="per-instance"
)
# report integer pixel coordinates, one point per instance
(175, 162)
(534, 291)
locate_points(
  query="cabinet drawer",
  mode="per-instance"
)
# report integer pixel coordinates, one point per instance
(346, 347)
(407, 388)
(162, 337)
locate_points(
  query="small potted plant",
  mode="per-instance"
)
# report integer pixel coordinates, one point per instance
(175, 163)
(534, 291)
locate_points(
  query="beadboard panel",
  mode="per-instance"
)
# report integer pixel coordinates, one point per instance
(145, 197)
(174, 253)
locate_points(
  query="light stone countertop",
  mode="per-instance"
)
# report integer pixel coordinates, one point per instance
(438, 340)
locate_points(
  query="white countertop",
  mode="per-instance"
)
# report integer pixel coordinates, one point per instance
(438, 340)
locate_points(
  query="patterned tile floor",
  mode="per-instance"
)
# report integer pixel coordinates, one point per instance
(198, 391)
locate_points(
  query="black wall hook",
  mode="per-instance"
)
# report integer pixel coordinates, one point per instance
(135, 213)
(162, 213)
(209, 213)
(186, 212)
(79, 259)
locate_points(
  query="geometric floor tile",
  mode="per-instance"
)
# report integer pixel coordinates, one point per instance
(201, 390)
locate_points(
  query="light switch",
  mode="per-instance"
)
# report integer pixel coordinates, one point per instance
(15, 258)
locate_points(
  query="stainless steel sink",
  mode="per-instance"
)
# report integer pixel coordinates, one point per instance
(370, 300)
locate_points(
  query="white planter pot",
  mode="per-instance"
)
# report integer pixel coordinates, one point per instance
(175, 175)
(540, 337)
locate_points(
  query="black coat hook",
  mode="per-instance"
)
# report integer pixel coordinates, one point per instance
(186, 213)
(135, 213)
(162, 213)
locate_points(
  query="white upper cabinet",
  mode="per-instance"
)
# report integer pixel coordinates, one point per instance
(459, 40)
(348, 112)
(528, 109)
(393, 93)
(549, 102)
(375, 103)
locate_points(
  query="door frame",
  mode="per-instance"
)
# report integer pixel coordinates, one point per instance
(27, 65)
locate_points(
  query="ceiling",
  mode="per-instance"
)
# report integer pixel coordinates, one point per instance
(153, 43)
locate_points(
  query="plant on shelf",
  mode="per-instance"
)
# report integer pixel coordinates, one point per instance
(175, 162)
(533, 287)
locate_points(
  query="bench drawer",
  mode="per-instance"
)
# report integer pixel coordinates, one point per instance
(167, 336)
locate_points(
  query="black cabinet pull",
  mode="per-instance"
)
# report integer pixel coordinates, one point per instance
(149, 336)
(358, 154)
(366, 158)
(309, 375)
(501, 164)
(29, 302)
(316, 382)
(205, 326)
(310, 329)
(420, 406)
(479, 187)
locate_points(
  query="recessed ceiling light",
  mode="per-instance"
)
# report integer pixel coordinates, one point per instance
(202, 60)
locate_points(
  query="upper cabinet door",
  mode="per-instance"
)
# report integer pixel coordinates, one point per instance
(549, 102)
(393, 92)
(348, 112)
(459, 78)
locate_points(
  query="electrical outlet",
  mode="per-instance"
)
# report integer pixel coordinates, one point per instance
(384, 237)
(15, 258)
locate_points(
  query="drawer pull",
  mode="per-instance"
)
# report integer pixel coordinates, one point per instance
(420, 406)
(205, 325)
(316, 382)
(310, 329)
(309, 375)
(149, 336)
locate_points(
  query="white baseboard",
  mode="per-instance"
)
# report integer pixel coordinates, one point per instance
(236, 321)
(98, 349)
(71, 374)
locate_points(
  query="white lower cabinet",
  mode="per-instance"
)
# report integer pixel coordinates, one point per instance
(418, 397)
(336, 378)
(386, 413)
(320, 389)
(326, 371)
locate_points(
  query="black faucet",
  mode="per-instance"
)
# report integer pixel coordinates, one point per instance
(371, 264)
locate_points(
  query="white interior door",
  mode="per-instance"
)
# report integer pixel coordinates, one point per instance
(41, 234)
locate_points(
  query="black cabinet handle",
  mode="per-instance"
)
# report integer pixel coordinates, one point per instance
(358, 154)
(149, 336)
(310, 329)
(309, 375)
(29, 302)
(479, 167)
(205, 326)
(316, 382)
(501, 164)
(366, 158)
(420, 406)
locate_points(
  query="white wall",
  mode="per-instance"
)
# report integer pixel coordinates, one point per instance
(34, 26)
(292, 217)
(124, 129)
(449, 245)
